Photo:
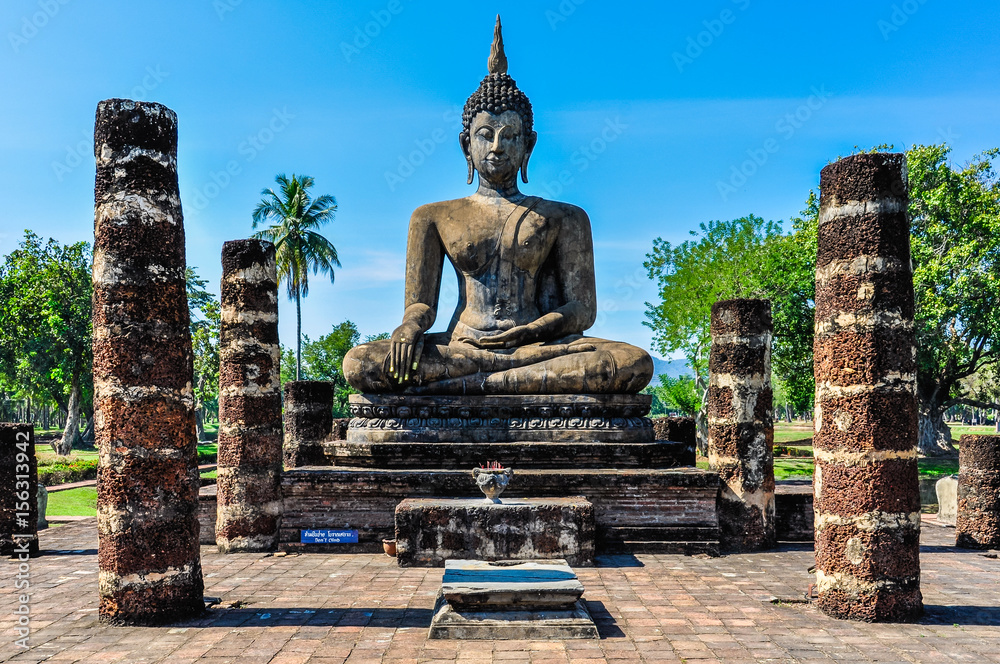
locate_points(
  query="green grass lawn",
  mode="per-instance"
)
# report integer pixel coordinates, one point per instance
(787, 432)
(73, 502)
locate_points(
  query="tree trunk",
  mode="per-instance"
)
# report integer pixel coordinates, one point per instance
(199, 410)
(701, 419)
(298, 336)
(934, 434)
(71, 432)
(87, 439)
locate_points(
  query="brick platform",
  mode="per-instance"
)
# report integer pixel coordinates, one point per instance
(332, 609)
(430, 531)
(636, 510)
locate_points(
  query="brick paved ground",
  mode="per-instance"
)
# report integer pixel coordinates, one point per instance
(362, 608)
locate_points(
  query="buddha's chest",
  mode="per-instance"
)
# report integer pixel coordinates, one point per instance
(474, 245)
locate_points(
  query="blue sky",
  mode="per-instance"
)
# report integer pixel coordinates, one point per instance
(646, 114)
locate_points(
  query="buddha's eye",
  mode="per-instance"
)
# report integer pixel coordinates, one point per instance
(486, 133)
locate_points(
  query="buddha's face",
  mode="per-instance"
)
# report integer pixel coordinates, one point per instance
(498, 146)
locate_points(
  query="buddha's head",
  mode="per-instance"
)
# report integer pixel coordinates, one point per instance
(497, 136)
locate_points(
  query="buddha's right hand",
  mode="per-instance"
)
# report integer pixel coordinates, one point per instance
(406, 346)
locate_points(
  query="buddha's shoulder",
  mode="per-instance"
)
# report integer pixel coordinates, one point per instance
(563, 211)
(441, 210)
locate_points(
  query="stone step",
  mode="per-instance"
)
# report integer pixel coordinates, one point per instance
(389, 455)
(665, 546)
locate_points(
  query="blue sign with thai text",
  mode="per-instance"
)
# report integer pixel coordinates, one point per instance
(329, 536)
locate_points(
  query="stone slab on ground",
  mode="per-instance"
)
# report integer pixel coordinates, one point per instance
(946, 489)
(452, 622)
(332, 609)
(431, 531)
(510, 583)
(511, 600)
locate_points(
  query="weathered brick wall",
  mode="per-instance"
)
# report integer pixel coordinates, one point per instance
(978, 525)
(740, 430)
(250, 435)
(144, 408)
(867, 495)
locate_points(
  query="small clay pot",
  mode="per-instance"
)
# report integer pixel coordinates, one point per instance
(389, 546)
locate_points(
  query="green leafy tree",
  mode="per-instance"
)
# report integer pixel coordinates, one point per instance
(298, 244)
(323, 359)
(679, 394)
(45, 329)
(206, 319)
(743, 258)
(955, 243)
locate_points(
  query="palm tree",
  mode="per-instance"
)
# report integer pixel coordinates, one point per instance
(298, 245)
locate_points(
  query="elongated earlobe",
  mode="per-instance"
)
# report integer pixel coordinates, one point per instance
(524, 170)
(471, 170)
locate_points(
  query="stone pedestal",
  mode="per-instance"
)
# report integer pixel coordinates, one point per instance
(430, 531)
(18, 491)
(511, 600)
(978, 524)
(867, 493)
(566, 418)
(740, 431)
(144, 409)
(250, 437)
(308, 422)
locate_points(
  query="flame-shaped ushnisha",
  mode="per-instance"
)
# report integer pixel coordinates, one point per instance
(497, 64)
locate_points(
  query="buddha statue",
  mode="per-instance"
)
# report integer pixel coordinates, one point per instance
(525, 269)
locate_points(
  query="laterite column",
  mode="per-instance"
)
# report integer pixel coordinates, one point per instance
(147, 482)
(867, 499)
(18, 491)
(308, 421)
(740, 430)
(978, 524)
(249, 475)
(679, 430)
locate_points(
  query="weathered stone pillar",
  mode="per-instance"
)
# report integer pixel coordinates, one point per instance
(249, 475)
(978, 524)
(144, 408)
(740, 430)
(680, 430)
(867, 496)
(308, 421)
(18, 491)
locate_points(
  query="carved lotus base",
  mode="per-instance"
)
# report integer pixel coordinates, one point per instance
(606, 418)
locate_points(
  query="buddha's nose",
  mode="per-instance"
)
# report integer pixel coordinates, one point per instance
(497, 145)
